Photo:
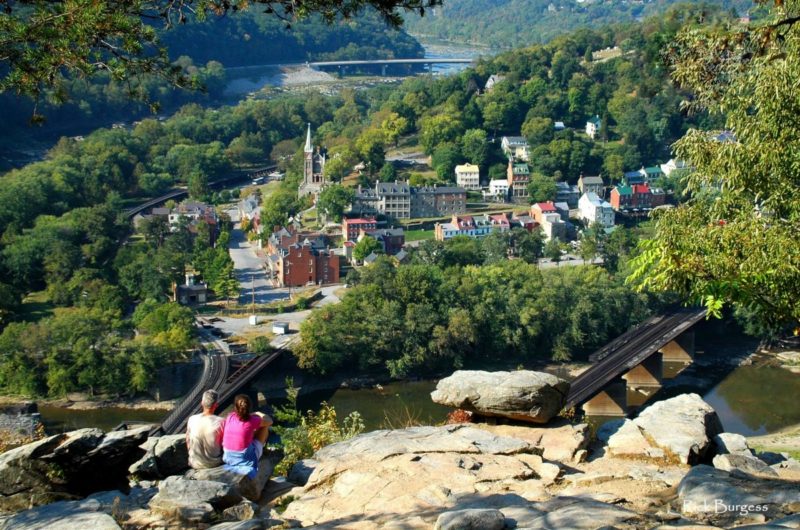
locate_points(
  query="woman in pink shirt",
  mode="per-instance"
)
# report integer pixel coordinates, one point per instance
(243, 436)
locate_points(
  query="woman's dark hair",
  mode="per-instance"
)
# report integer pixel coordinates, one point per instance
(242, 406)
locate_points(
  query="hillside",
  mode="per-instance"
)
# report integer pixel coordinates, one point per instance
(512, 23)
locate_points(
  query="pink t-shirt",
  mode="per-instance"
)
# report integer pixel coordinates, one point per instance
(238, 434)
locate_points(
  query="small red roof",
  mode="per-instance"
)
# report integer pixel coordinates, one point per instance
(546, 206)
(641, 188)
(360, 220)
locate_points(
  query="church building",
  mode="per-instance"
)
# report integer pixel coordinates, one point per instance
(313, 167)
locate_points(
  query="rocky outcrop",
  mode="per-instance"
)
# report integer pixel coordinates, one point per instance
(249, 488)
(475, 519)
(67, 466)
(680, 428)
(730, 443)
(745, 464)
(164, 456)
(192, 501)
(522, 395)
(714, 493)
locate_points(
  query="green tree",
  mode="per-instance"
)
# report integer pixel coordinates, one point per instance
(735, 241)
(334, 200)
(438, 129)
(541, 188)
(552, 250)
(120, 39)
(444, 160)
(365, 247)
(475, 146)
(388, 173)
(538, 130)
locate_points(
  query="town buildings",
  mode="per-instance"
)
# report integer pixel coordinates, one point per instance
(296, 258)
(401, 201)
(673, 165)
(590, 184)
(498, 189)
(519, 175)
(636, 197)
(593, 126)
(352, 227)
(539, 209)
(391, 239)
(468, 176)
(313, 169)
(516, 147)
(594, 210)
(568, 193)
(250, 211)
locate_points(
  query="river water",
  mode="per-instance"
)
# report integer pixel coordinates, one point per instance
(750, 400)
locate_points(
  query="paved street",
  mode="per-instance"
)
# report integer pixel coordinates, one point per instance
(249, 269)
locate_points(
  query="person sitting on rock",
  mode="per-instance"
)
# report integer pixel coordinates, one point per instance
(204, 434)
(244, 433)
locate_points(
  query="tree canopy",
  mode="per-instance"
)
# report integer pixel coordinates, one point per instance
(41, 40)
(735, 240)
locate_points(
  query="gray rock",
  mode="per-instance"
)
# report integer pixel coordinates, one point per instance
(522, 395)
(471, 520)
(743, 463)
(713, 492)
(255, 524)
(165, 456)
(244, 511)
(65, 515)
(578, 513)
(275, 488)
(730, 443)
(301, 471)
(192, 500)
(680, 428)
(243, 485)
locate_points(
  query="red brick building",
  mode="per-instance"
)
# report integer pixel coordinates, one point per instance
(301, 264)
(352, 227)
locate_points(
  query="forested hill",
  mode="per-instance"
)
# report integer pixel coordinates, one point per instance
(512, 23)
(252, 38)
(203, 50)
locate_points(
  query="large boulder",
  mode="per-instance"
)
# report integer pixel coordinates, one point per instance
(67, 466)
(192, 500)
(471, 519)
(745, 464)
(249, 488)
(520, 395)
(680, 428)
(94, 512)
(164, 456)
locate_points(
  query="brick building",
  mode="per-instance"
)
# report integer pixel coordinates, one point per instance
(302, 264)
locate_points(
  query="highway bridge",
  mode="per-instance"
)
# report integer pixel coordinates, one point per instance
(382, 62)
(632, 356)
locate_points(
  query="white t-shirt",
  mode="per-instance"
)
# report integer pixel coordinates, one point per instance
(203, 435)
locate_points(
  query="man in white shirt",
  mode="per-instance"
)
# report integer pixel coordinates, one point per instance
(204, 434)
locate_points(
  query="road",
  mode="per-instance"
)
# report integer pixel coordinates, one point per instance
(250, 270)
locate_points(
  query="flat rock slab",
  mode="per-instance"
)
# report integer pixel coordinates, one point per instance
(249, 488)
(192, 500)
(64, 515)
(578, 513)
(475, 519)
(521, 395)
(745, 464)
(714, 493)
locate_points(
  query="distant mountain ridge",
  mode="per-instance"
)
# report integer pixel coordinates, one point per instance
(514, 23)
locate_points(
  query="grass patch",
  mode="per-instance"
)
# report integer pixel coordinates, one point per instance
(36, 306)
(419, 235)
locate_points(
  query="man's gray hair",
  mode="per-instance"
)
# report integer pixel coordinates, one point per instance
(209, 398)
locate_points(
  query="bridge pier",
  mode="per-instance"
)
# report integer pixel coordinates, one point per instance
(681, 349)
(611, 401)
(646, 374)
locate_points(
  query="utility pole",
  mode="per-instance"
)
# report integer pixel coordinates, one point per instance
(252, 293)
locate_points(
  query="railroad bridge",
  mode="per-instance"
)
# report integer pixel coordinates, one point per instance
(634, 362)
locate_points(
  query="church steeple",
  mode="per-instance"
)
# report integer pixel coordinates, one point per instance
(309, 148)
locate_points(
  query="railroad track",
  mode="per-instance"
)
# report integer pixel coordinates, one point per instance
(629, 350)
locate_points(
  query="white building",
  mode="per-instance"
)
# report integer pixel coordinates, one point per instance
(593, 126)
(593, 210)
(492, 81)
(468, 176)
(673, 165)
(498, 188)
(516, 147)
(553, 226)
